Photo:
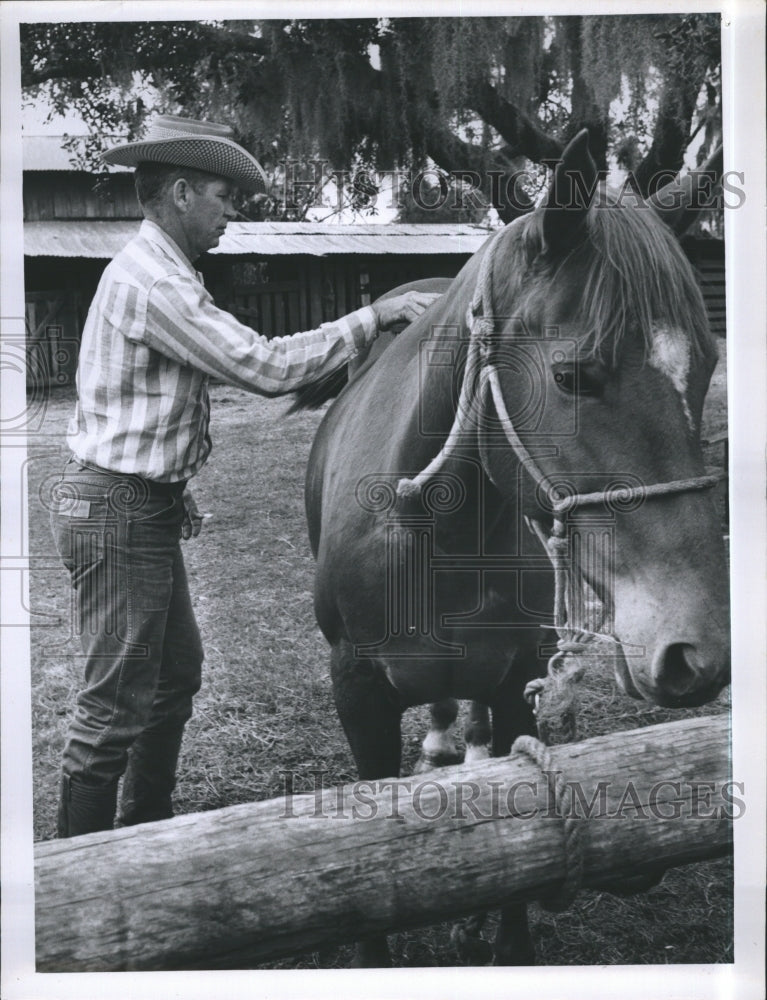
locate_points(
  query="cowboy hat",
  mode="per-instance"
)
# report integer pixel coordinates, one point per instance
(185, 142)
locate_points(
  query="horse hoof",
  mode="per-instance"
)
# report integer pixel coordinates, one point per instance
(430, 762)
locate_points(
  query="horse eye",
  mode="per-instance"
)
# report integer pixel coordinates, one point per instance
(579, 379)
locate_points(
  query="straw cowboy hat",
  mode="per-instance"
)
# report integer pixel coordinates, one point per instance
(184, 142)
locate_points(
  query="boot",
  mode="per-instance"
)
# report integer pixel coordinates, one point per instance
(150, 778)
(85, 808)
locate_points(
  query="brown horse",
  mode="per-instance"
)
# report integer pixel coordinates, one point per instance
(559, 384)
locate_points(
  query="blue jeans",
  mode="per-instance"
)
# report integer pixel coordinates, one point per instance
(119, 537)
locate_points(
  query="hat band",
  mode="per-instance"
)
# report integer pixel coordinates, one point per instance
(159, 132)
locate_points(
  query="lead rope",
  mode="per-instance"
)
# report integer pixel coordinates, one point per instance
(553, 697)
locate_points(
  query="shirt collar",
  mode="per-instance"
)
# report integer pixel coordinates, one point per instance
(157, 235)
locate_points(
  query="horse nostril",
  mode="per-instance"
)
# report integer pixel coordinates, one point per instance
(677, 674)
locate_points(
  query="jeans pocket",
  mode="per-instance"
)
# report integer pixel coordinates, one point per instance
(80, 530)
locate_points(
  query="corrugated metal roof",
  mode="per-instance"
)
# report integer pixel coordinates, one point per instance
(99, 240)
(103, 239)
(45, 152)
(321, 239)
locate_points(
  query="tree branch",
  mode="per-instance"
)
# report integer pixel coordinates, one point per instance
(671, 135)
(226, 39)
(145, 57)
(523, 135)
(84, 69)
(490, 171)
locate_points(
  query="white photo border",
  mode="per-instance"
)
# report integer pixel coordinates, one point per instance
(743, 44)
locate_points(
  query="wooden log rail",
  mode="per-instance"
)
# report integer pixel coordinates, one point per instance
(247, 884)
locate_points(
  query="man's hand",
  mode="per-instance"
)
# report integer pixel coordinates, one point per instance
(192, 523)
(402, 309)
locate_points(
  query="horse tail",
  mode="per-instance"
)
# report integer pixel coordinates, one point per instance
(316, 394)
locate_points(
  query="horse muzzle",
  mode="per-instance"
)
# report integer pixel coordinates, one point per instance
(680, 675)
(686, 675)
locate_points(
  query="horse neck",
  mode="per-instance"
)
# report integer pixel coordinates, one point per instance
(432, 379)
(441, 370)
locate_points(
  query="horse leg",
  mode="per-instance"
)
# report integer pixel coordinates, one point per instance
(477, 732)
(438, 748)
(466, 935)
(370, 714)
(512, 717)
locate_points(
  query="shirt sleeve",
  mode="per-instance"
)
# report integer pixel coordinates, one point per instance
(183, 323)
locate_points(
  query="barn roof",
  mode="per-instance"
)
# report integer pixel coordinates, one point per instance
(104, 238)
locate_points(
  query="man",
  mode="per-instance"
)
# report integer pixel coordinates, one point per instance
(152, 339)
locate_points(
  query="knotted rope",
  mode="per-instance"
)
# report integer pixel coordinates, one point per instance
(563, 806)
(554, 698)
(556, 711)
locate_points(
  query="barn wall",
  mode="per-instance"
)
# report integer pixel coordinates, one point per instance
(269, 294)
(58, 194)
(274, 295)
(282, 295)
(707, 257)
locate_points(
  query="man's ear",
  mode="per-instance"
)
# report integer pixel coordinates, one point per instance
(181, 192)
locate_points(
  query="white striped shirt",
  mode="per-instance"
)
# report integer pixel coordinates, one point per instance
(153, 338)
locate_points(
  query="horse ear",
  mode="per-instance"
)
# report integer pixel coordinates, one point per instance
(680, 201)
(570, 194)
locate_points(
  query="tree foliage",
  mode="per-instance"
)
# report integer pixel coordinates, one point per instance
(488, 95)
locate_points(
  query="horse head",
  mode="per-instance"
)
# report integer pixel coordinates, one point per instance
(597, 334)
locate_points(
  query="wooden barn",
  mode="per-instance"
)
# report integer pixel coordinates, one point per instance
(276, 277)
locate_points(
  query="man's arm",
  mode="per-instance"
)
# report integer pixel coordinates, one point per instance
(183, 323)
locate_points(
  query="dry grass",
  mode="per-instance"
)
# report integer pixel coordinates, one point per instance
(266, 707)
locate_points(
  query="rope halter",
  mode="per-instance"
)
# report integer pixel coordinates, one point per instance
(481, 374)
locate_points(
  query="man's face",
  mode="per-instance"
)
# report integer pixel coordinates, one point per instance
(211, 208)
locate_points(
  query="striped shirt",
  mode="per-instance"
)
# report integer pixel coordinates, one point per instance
(153, 338)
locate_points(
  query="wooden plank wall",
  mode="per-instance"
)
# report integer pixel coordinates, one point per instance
(707, 257)
(711, 275)
(60, 195)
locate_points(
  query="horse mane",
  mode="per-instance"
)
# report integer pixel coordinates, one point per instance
(636, 276)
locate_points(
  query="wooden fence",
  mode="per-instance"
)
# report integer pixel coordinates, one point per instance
(243, 885)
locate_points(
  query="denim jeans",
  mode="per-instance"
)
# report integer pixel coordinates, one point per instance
(119, 537)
